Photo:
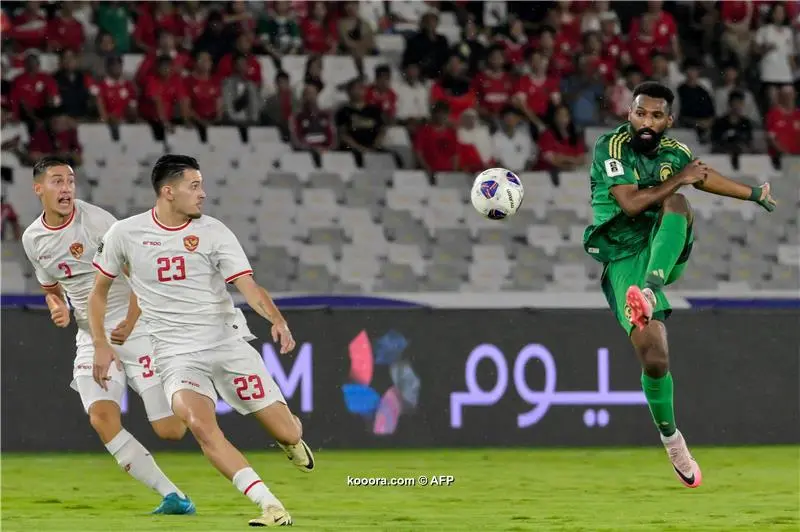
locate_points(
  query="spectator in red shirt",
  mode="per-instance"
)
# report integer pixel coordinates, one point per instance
(163, 100)
(57, 136)
(381, 93)
(166, 48)
(664, 31)
(9, 217)
(163, 19)
(115, 96)
(312, 129)
(436, 143)
(537, 91)
(614, 48)
(29, 28)
(65, 32)
(493, 85)
(205, 94)
(454, 88)
(559, 64)
(193, 23)
(783, 125)
(642, 45)
(592, 48)
(561, 147)
(244, 46)
(319, 34)
(33, 91)
(515, 42)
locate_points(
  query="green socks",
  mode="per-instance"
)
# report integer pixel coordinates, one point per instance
(659, 398)
(666, 249)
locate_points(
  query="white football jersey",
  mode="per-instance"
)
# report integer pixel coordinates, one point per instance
(179, 275)
(63, 255)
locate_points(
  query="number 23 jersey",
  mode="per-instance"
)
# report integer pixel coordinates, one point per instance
(179, 275)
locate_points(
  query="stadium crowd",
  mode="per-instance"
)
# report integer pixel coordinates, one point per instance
(516, 90)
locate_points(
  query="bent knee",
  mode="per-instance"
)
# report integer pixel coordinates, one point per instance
(170, 428)
(105, 419)
(677, 203)
(205, 431)
(655, 362)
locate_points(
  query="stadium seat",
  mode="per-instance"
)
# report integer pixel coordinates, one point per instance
(383, 162)
(407, 254)
(340, 162)
(130, 65)
(286, 180)
(442, 278)
(312, 279)
(299, 163)
(318, 255)
(259, 135)
(397, 278)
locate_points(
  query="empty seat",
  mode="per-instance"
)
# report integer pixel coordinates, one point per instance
(286, 180)
(317, 255)
(397, 278)
(258, 136)
(299, 163)
(313, 279)
(340, 162)
(442, 278)
(379, 161)
(408, 254)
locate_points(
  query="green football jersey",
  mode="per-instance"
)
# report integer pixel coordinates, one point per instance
(614, 235)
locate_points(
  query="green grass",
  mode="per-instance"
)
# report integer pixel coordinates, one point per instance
(748, 489)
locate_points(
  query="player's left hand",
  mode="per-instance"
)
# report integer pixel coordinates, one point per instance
(281, 332)
(766, 200)
(121, 332)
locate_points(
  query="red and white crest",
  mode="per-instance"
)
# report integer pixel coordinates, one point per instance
(191, 242)
(76, 249)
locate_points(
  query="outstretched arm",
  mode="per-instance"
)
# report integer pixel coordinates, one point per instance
(259, 300)
(720, 185)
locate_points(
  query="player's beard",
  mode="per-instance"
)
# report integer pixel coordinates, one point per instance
(194, 215)
(643, 145)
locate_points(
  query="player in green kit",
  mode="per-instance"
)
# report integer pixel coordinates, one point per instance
(642, 233)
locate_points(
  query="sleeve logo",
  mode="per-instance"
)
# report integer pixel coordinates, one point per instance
(613, 167)
(100, 248)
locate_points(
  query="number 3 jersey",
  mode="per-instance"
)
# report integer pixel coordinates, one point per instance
(63, 255)
(180, 276)
(614, 235)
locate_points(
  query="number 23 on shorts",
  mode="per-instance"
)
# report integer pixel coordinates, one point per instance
(249, 387)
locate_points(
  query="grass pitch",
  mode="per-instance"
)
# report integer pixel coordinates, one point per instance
(747, 489)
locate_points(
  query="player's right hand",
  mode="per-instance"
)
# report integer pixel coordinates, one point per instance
(694, 172)
(104, 355)
(280, 331)
(59, 312)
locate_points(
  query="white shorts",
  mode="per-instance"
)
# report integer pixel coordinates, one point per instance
(139, 371)
(235, 370)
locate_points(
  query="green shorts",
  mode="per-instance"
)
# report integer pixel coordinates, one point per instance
(619, 275)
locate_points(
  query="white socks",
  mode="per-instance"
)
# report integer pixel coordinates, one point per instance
(136, 461)
(248, 482)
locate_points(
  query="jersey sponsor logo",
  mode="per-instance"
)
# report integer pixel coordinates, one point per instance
(665, 171)
(613, 167)
(76, 249)
(45, 257)
(151, 243)
(191, 242)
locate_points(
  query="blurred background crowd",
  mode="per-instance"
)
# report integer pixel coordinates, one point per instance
(476, 84)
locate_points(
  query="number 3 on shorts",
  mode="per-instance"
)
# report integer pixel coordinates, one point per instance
(613, 167)
(243, 383)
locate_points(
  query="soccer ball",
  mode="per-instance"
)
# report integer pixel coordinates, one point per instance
(497, 193)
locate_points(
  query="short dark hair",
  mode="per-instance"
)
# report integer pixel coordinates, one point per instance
(281, 75)
(170, 167)
(381, 70)
(736, 95)
(163, 60)
(653, 89)
(46, 162)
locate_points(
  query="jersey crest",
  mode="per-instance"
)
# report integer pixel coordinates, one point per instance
(191, 242)
(665, 171)
(76, 249)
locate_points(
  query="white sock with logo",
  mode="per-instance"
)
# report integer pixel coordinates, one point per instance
(138, 463)
(249, 483)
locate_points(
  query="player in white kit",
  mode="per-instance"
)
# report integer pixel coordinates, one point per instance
(180, 262)
(60, 244)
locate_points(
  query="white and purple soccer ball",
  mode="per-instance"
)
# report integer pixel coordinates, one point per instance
(497, 193)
